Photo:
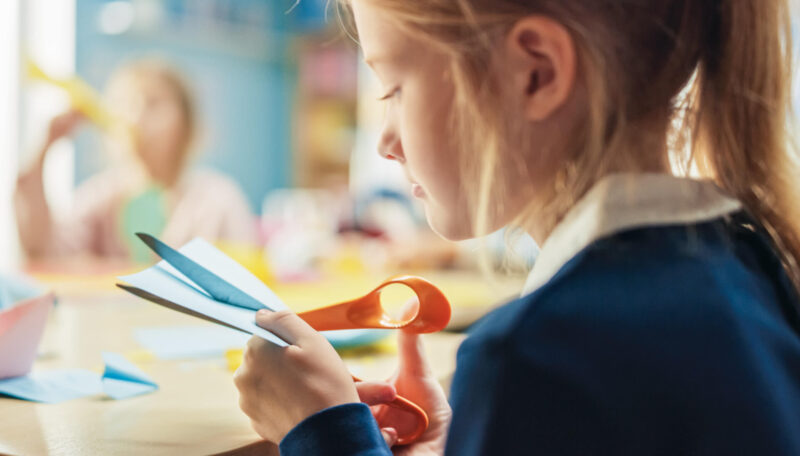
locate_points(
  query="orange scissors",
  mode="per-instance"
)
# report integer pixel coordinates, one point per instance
(432, 313)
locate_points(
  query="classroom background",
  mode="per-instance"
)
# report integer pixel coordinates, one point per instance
(276, 86)
(284, 107)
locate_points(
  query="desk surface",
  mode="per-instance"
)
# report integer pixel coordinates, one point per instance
(195, 410)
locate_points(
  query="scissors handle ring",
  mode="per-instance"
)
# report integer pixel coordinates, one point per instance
(433, 311)
(406, 406)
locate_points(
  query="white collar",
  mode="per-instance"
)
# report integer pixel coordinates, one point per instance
(624, 201)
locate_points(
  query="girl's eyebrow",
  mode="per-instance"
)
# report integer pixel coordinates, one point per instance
(381, 59)
(372, 61)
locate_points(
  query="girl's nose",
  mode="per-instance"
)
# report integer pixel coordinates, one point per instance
(389, 146)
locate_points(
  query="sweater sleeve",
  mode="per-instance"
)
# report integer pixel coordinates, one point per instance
(346, 430)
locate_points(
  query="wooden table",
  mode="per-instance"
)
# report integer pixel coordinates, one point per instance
(194, 411)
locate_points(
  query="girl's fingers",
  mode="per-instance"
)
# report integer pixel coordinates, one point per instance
(286, 325)
(412, 355)
(375, 393)
(389, 436)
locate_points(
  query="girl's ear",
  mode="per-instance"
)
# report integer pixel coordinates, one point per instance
(541, 62)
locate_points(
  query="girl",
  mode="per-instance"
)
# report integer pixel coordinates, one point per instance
(152, 192)
(661, 316)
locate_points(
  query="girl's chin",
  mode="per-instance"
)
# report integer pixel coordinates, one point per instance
(447, 226)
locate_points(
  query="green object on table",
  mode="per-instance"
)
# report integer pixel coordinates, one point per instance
(145, 212)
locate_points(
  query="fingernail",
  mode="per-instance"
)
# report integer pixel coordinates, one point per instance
(262, 312)
(389, 435)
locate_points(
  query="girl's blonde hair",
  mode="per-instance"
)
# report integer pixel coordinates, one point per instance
(707, 80)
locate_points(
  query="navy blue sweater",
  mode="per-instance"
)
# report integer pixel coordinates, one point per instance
(681, 339)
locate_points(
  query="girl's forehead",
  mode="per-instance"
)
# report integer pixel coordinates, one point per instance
(376, 30)
(380, 37)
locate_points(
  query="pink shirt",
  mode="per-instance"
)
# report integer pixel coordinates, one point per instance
(203, 203)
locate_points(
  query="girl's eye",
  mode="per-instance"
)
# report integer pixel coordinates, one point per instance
(390, 95)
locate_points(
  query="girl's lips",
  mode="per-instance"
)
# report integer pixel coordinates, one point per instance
(417, 190)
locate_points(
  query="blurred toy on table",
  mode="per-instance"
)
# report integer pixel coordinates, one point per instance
(312, 232)
(149, 120)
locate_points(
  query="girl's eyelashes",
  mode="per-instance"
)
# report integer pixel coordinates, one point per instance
(391, 94)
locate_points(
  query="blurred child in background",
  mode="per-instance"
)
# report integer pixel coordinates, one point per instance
(149, 189)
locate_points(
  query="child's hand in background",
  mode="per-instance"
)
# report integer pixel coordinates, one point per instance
(63, 125)
(33, 213)
(29, 183)
(281, 386)
(415, 381)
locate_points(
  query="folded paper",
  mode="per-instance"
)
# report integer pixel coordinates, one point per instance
(167, 286)
(121, 379)
(21, 328)
(52, 386)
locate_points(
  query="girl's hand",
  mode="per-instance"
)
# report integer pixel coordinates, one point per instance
(416, 382)
(281, 386)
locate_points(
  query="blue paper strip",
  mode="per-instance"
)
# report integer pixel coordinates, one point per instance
(53, 386)
(121, 389)
(119, 368)
(120, 380)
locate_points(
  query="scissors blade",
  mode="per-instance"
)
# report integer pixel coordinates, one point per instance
(170, 305)
(217, 287)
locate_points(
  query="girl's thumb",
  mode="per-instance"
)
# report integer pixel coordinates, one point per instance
(412, 355)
